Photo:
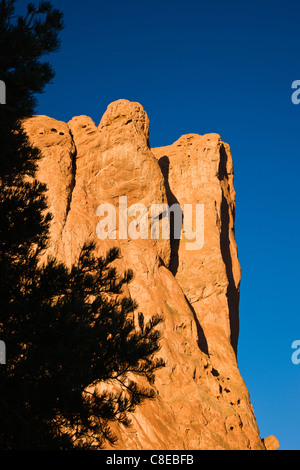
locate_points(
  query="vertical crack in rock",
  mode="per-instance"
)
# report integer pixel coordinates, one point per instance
(73, 180)
(164, 164)
(232, 290)
(202, 342)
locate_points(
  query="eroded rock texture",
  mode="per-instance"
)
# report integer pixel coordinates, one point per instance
(202, 401)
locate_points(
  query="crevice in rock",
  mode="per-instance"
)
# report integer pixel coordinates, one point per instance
(232, 291)
(164, 164)
(202, 343)
(73, 178)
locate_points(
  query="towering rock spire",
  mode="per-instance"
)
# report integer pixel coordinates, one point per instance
(202, 401)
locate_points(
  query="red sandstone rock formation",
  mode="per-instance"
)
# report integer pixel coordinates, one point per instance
(202, 401)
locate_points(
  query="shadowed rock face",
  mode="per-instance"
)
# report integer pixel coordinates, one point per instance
(202, 401)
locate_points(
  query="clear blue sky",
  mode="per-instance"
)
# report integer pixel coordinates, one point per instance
(224, 67)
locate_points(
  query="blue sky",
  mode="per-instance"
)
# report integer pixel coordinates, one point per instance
(224, 67)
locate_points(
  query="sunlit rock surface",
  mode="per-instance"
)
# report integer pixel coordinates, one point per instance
(202, 401)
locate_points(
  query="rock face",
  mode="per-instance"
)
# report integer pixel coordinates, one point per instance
(202, 401)
(271, 443)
